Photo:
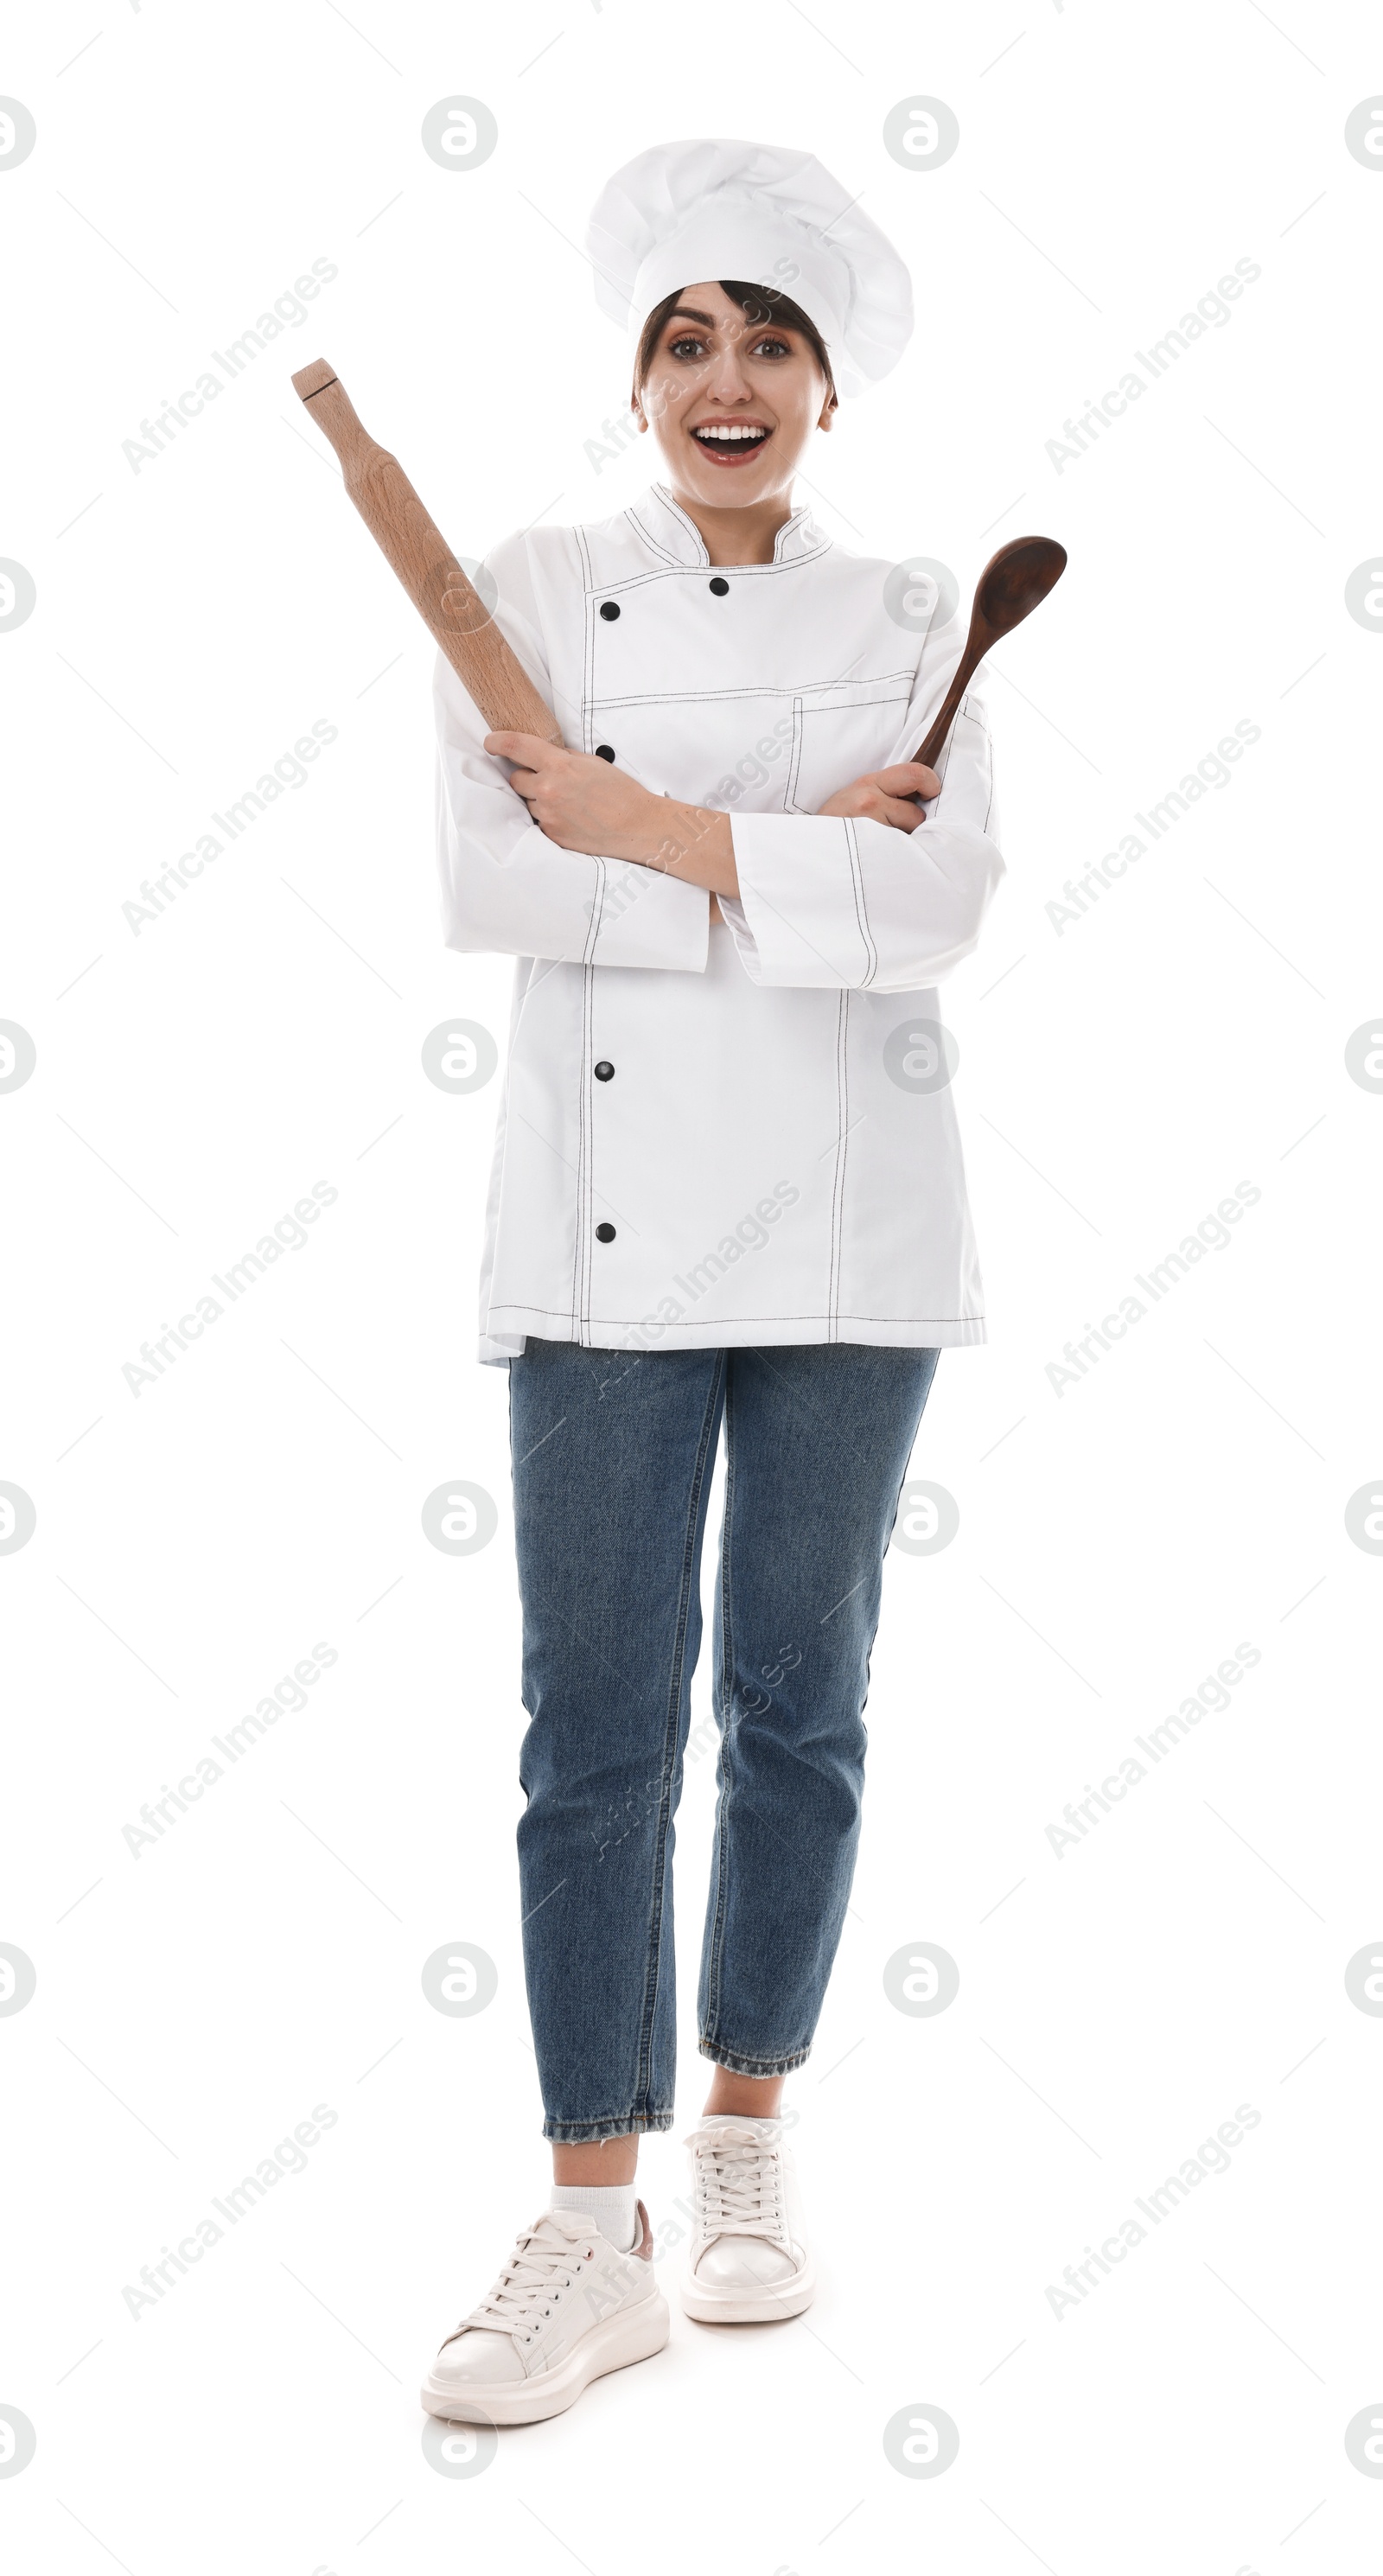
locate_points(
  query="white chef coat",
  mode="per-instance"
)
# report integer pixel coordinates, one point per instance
(706, 1137)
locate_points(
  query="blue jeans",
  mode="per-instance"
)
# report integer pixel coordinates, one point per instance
(612, 1455)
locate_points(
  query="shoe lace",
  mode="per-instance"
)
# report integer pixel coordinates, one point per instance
(739, 2185)
(543, 2262)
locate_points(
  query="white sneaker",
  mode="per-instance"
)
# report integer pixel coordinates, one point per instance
(566, 2307)
(749, 2260)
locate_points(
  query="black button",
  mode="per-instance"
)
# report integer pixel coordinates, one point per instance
(609, 610)
(605, 1234)
(604, 751)
(604, 1071)
(719, 587)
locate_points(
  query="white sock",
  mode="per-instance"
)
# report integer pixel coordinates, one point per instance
(611, 2205)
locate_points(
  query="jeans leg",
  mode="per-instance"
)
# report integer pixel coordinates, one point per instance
(818, 1439)
(612, 1456)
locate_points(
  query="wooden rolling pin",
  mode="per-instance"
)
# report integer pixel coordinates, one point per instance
(418, 552)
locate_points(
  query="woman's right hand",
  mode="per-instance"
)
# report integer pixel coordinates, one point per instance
(885, 795)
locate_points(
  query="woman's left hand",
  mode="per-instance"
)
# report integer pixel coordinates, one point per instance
(894, 795)
(582, 803)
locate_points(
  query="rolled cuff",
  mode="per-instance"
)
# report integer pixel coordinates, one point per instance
(761, 2068)
(827, 900)
(593, 2133)
(644, 917)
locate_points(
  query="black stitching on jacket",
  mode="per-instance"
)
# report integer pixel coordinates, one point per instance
(712, 1323)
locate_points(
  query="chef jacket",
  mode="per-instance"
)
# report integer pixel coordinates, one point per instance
(741, 1132)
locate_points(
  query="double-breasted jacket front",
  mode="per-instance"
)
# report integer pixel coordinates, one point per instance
(741, 1132)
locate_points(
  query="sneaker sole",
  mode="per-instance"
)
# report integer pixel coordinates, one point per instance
(634, 2335)
(759, 2307)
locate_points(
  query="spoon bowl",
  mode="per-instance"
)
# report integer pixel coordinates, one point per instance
(1016, 581)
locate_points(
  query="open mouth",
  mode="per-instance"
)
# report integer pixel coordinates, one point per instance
(730, 443)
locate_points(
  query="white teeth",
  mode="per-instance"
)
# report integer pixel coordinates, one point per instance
(709, 431)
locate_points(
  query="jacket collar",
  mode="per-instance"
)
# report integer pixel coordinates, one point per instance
(674, 538)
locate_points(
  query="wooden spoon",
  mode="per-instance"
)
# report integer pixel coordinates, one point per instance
(1013, 583)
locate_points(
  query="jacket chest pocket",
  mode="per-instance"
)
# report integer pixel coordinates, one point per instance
(725, 748)
(840, 733)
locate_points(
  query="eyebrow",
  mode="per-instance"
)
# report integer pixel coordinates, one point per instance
(685, 313)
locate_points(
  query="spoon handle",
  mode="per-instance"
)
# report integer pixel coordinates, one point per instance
(977, 644)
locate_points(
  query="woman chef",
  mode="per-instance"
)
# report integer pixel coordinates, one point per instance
(728, 1192)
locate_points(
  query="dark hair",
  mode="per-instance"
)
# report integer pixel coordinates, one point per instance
(758, 303)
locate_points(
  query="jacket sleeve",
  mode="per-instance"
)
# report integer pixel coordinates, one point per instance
(505, 885)
(836, 900)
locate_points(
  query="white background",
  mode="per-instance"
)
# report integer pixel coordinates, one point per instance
(1116, 1541)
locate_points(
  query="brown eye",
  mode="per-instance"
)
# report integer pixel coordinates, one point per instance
(686, 345)
(772, 348)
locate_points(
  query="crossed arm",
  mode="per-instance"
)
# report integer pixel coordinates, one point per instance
(585, 804)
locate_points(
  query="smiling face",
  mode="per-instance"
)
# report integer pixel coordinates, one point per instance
(732, 400)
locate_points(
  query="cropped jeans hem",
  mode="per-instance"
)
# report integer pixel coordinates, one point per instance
(593, 2133)
(738, 2065)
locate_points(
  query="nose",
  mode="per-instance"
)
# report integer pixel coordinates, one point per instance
(726, 380)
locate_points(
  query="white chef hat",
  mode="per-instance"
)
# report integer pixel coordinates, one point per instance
(758, 211)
